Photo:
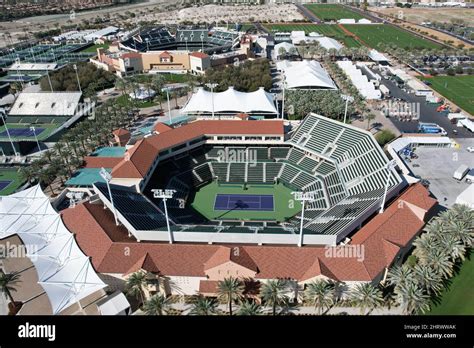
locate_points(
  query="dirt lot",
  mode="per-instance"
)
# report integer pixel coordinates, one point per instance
(419, 15)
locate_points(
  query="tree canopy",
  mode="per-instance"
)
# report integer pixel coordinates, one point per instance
(246, 77)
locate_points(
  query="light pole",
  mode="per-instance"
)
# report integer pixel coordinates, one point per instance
(186, 41)
(33, 129)
(49, 79)
(283, 85)
(276, 103)
(107, 177)
(165, 195)
(8, 134)
(389, 167)
(212, 86)
(168, 101)
(77, 76)
(303, 197)
(348, 100)
(147, 40)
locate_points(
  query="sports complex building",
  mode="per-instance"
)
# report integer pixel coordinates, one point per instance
(233, 212)
(234, 182)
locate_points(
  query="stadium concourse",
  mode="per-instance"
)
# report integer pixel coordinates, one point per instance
(342, 166)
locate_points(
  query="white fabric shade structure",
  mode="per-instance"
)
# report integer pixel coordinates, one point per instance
(305, 74)
(231, 101)
(365, 87)
(64, 272)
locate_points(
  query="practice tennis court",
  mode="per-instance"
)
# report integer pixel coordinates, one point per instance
(21, 132)
(4, 184)
(244, 202)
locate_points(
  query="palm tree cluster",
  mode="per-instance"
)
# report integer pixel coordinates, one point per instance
(446, 241)
(68, 153)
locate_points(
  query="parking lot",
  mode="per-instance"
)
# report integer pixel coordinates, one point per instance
(437, 165)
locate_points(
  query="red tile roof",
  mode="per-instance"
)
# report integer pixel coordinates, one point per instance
(143, 153)
(199, 55)
(208, 286)
(161, 127)
(99, 162)
(379, 240)
(120, 132)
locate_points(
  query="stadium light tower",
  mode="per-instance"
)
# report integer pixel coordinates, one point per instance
(389, 167)
(33, 129)
(107, 177)
(8, 133)
(212, 86)
(283, 85)
(77, 76)
(303, 197)
(165, 195)
(348, 100)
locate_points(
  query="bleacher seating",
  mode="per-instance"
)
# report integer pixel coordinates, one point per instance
(279, 152)
(255, 173)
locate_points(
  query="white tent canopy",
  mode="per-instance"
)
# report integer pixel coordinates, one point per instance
(467, 197)
(231, 101)
(64, 272)
(306, 74)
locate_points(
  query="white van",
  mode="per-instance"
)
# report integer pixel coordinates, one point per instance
(461, 172)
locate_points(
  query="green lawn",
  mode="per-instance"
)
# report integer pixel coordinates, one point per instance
(374, 34)
(93, 48)
(284, 205)
(13, 176)
(458, 89)
(458, 298)
(332, 12)
(329, 30)
(124, 100)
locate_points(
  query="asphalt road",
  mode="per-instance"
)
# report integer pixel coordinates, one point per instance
(428, 113)
(308, 14)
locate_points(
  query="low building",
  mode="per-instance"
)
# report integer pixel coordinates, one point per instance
(199, 62)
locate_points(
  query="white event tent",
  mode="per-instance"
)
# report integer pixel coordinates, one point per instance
(231, 102)
(305, 75)
(64, 272)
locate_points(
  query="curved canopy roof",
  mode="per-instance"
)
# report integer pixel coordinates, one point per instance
(306, 74)
(64, 272)
(231, 101)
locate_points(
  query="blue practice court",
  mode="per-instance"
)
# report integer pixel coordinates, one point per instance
(21, 132)
(244, 202)
(4, 184)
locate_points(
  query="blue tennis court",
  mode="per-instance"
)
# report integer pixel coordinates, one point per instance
(4, 184)
(244, 202)
(21, 132)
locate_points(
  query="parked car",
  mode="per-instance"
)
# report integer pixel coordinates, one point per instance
(470, 149)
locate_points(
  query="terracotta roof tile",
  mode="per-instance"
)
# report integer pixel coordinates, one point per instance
(99, 162)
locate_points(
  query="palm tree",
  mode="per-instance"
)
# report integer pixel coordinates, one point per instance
(320, 294)
(366, 296)
(230, 290)
(157, 305)
(423, 244)
(411, 298)
(463, 230)
(440, 261)
(135, 284)
(399, 274)
(453, 246)
(369, 117)
(7, 284)
(249, 308)
(275, 293)
(428, 279)
(204, 306)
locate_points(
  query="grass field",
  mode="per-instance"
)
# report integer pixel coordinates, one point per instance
(13, 176)
(329, 30)
(332, 12)
(93, 48)
(458, 298)
(374, 34)
(458, 89)
(284, 205)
